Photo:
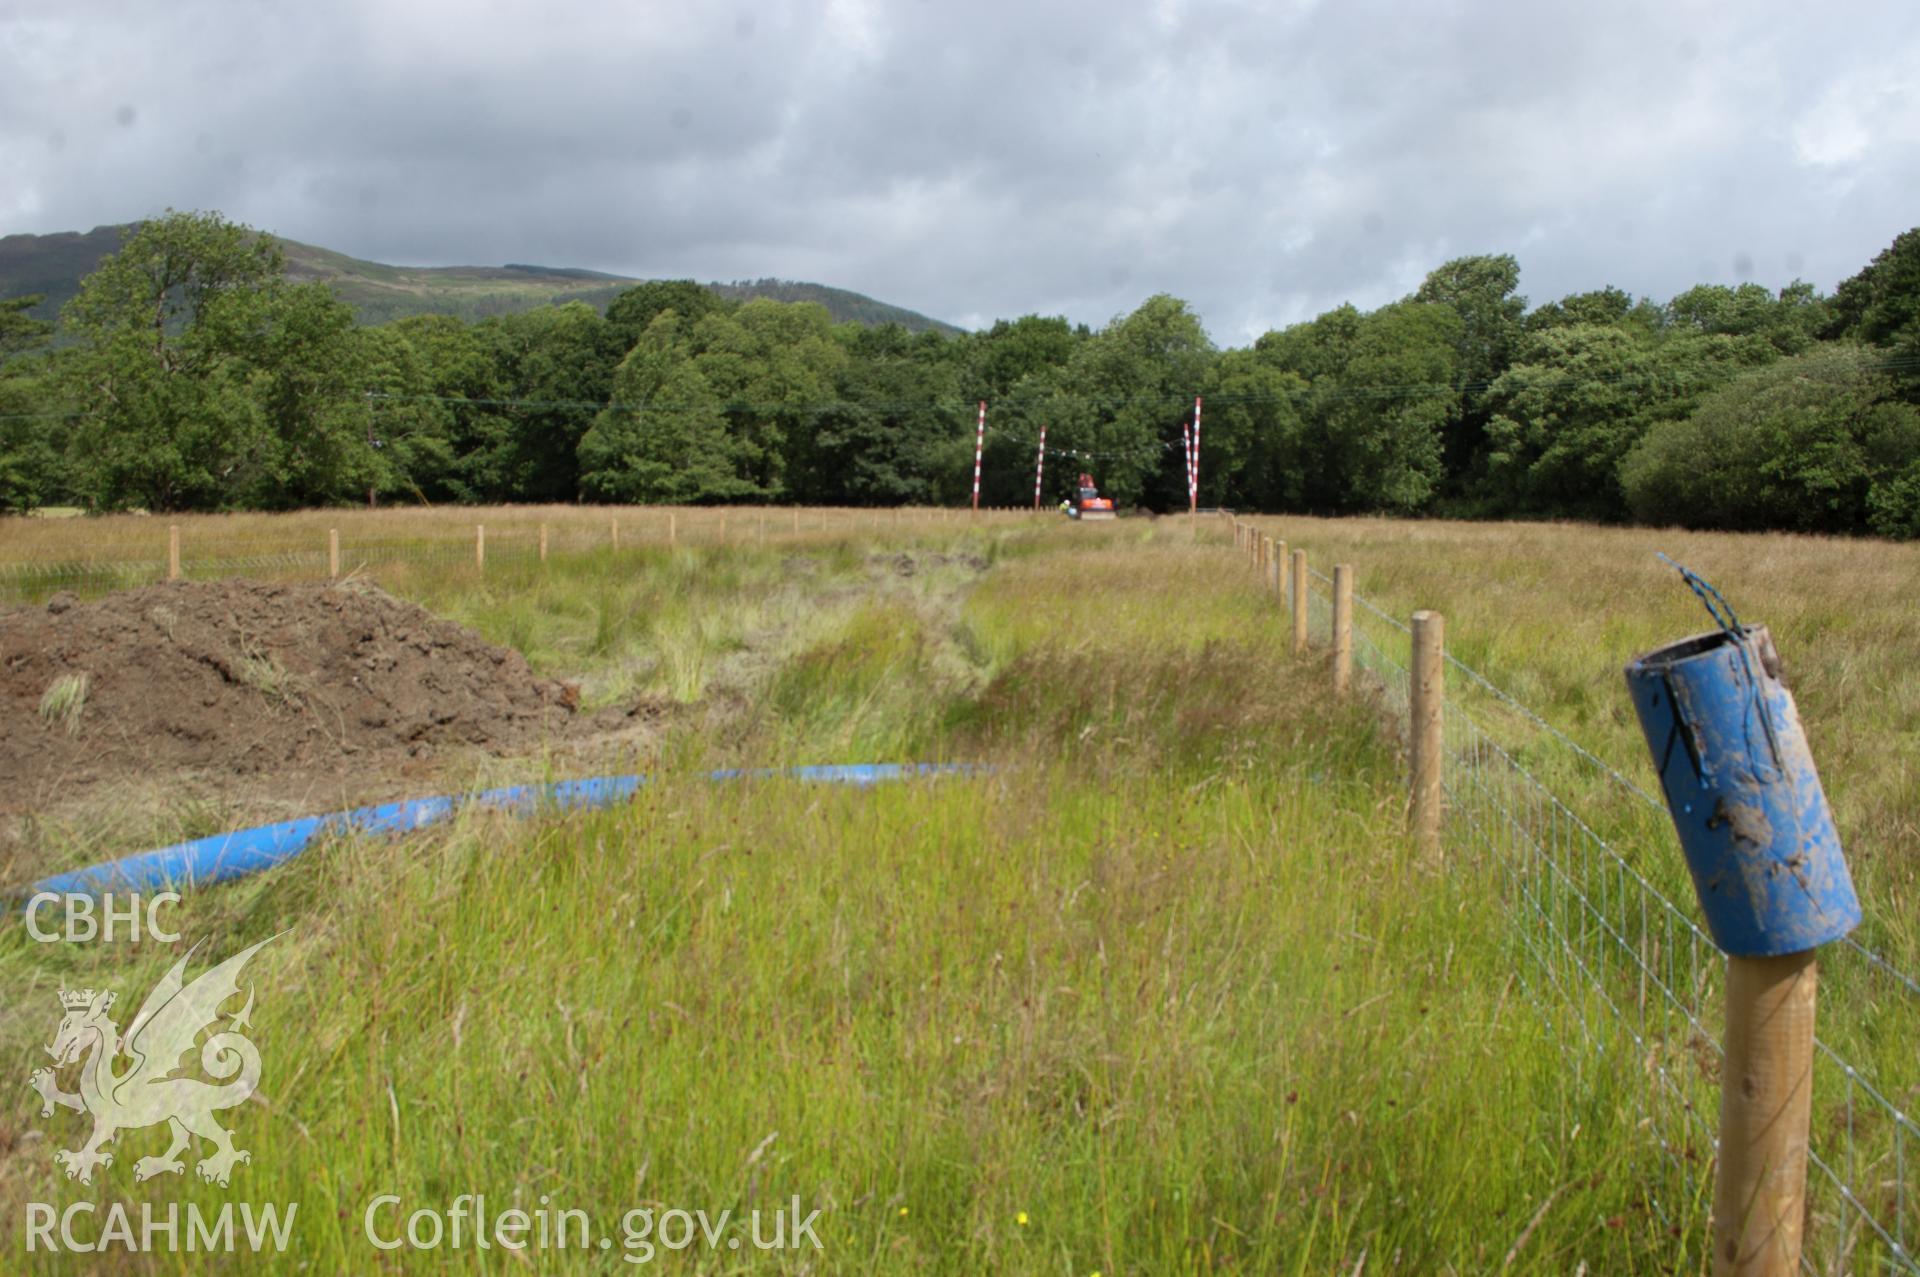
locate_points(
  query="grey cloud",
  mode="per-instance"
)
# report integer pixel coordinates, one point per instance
(1265, 162)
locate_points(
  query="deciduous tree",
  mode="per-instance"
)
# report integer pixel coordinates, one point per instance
(203, 378)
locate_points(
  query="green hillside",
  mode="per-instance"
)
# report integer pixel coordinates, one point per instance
(55, 264)
(52, 264)
(840, 303)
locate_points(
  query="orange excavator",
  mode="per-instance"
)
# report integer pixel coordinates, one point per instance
(1087, 503)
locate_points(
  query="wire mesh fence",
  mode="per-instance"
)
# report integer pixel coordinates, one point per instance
(131, 556)
(1608, 951)
(1605, 944)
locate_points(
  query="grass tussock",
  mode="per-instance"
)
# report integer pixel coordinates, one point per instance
(1162, 992)
(64, 701)
(1216, 706)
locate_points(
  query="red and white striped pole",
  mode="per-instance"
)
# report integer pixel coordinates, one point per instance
(1039, 466)
(979, 443)
(1186, 450)
(1193, 462)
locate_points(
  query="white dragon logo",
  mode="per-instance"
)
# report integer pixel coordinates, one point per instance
(150, 1090)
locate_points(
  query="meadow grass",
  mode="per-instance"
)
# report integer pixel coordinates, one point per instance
(1166, 983)
(118, 548)
(1553, 612)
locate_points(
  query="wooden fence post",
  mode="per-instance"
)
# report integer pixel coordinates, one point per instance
(333, 554)
(543, 543)
(1426, 700)
(480, 546)
(1740, 822)
(1342, 628)
(613, 533)
(1299, 601)
(1280, 573)
(1766, 1098)
(173, 552)
(796, 520)
(672, 531)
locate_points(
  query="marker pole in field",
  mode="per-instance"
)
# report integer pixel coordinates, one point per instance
(1039, 467)
(979, 444)
(1187, 454)
(1193, 463)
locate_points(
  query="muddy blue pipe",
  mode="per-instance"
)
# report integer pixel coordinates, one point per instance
(1745, 798)
(248, 851)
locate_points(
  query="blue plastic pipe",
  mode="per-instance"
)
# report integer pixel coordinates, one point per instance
(249, 851)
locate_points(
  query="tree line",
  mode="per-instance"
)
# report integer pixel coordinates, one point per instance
(190, 374)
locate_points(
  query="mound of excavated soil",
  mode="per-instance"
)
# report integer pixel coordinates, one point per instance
(242, 679)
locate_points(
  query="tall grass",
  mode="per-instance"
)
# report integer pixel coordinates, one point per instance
(1553, 613)
(1165, 984)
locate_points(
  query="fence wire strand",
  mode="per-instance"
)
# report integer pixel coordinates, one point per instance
(1625, 978)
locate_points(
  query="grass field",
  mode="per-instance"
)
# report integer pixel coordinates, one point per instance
(1165, 991)
(1552, 613)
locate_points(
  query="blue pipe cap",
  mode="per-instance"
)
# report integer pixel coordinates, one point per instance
(1744, 796)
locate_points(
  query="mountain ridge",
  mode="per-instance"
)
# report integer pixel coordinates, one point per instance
(55, 263)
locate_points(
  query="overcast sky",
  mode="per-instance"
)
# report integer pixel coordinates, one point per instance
(977, 160)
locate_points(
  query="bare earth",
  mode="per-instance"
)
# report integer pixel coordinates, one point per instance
(254, 683)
